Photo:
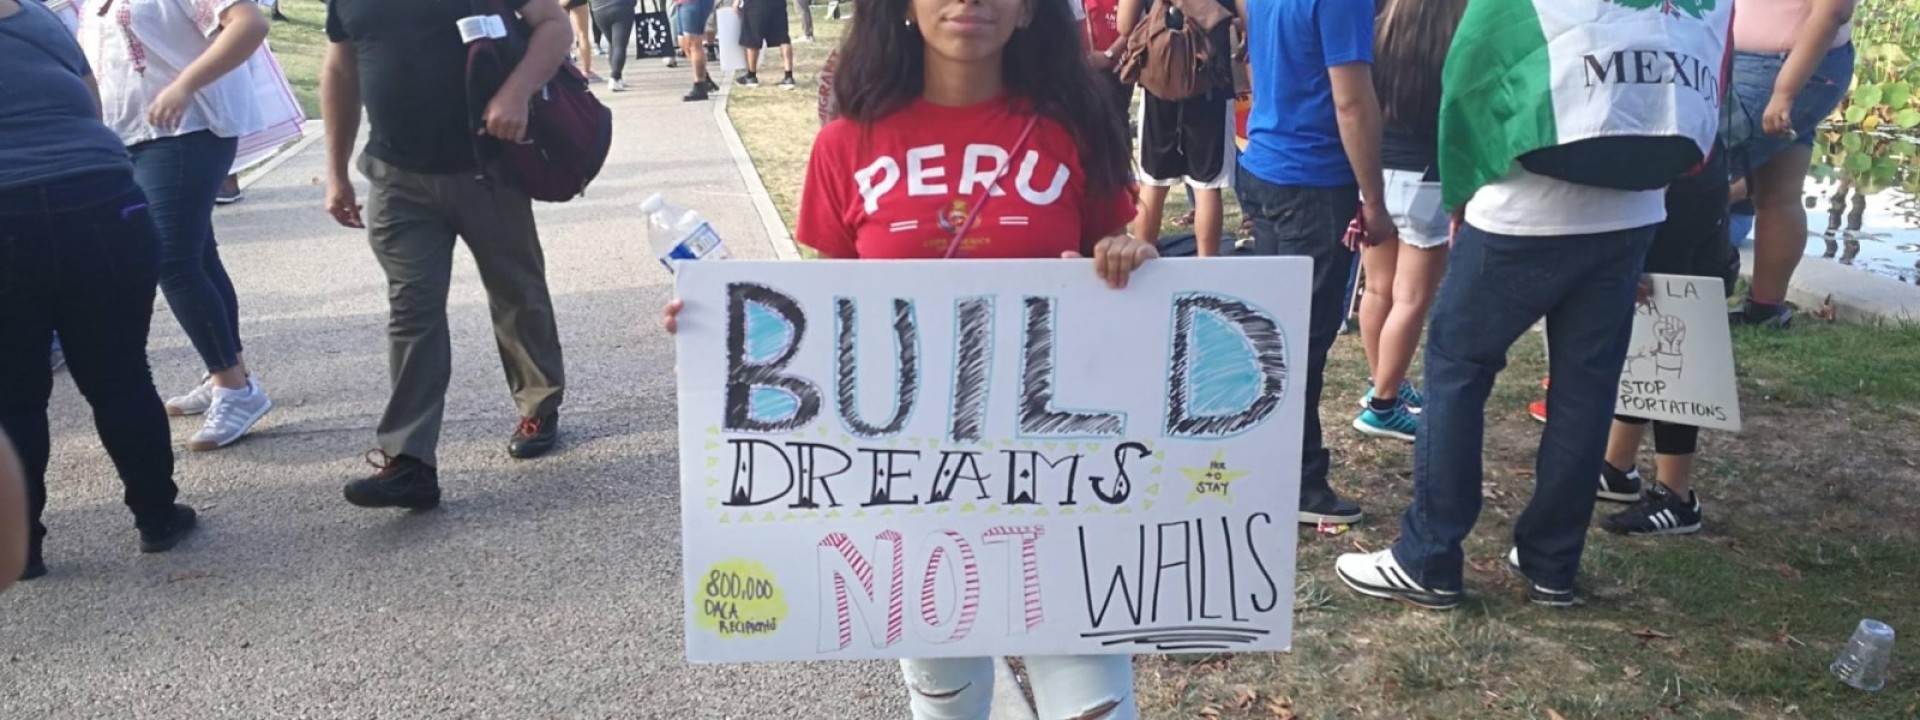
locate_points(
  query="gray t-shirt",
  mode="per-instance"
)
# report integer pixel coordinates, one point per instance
(49, 126)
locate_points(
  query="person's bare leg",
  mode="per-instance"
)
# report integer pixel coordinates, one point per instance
(1623, 444)
(1780, 224)
(698, 55)
(15, 527)
(786, 53)
(753, 61)
(1153, 205)
(233, 378)
(1416, 277)
(583, 37)
(1378, 264)
(1209, 221)
(1675, 472)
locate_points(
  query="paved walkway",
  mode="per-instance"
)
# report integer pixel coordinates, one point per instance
(543, 589)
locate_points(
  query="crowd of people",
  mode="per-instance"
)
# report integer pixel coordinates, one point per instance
(127, 133)
(1341, 158)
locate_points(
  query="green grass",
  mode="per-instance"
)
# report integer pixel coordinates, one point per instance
(1875, 364)
(1813, 523)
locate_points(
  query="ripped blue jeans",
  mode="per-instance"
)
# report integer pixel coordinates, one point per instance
(1065, 687)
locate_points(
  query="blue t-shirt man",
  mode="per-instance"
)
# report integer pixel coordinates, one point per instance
(1293, 137)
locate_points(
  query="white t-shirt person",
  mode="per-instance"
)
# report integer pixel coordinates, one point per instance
(1524, 204)
(139, 47)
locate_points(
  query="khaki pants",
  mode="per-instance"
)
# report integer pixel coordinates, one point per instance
(412, 219)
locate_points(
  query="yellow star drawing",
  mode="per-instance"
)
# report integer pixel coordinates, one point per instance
(1213, 480)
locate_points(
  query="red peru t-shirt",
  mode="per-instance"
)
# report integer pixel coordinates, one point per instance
(1103, 23)
(901, 188)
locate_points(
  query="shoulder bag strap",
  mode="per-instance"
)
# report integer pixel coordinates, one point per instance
(986, 193)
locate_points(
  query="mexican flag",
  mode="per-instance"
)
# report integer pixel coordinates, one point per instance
(1615, 93)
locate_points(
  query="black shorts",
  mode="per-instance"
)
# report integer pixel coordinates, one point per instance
(1187, 141)
(577, 4)
(763, 24)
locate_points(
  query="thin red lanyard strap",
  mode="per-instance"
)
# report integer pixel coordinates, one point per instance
(973, 215)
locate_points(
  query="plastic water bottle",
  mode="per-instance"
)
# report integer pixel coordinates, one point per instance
(676, 233)
(1863, 662)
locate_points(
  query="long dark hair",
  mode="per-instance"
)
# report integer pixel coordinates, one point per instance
(883, 69)
(1411, 38)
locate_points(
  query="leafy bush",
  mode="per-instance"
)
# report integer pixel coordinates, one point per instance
(1886, 34)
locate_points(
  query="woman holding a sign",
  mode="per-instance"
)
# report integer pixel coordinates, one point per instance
(977, 79)
(173, 85)
(1693, 241)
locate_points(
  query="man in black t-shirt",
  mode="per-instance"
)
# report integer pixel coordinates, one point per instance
(405, 63)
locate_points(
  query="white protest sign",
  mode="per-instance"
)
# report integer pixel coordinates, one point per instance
(965, 458)
(1680, 363)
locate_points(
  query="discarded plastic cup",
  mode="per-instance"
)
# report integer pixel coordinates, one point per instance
(1863, 662)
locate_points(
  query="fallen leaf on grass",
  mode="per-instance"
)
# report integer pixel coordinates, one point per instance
(1282, 708)
(1210, 713)
(1787, 571)
(1631, 672)
(1243, 696)
(1553, 714)
(1649, 634)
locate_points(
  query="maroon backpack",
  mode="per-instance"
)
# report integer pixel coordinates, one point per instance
(568, 131)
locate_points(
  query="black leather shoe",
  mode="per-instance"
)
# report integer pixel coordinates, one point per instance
(401, 482)
(535, 437)
(161, 536)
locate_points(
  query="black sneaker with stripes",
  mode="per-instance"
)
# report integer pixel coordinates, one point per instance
(1621, 486)
(1661, 513)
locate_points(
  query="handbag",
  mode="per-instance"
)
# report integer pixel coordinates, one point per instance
(986, 193)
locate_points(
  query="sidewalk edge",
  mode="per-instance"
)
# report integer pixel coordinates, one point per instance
(310, 132)
(777, 235)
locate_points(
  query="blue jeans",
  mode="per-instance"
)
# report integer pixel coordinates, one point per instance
(1308, 222)
(691, 17)
(180, 176)
(1753, 78)
(1495, 288)
(78, 258)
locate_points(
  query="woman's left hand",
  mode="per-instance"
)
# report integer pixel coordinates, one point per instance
(1116, 257)
(169, 108)
(1778, 119)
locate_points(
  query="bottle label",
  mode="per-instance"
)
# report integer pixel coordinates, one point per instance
(700, 244)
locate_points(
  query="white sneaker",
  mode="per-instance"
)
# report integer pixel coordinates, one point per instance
(232, 415)
(195, 402)
(1379, 575)
(617, 85)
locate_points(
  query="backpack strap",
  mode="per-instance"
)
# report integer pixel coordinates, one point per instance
(986, 193)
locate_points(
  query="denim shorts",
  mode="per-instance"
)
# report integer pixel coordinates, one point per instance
(690, 18)
(1416, 208)
(1753, 78)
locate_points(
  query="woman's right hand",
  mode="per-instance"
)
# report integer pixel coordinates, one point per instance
(670, 319)
(1777, 120)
